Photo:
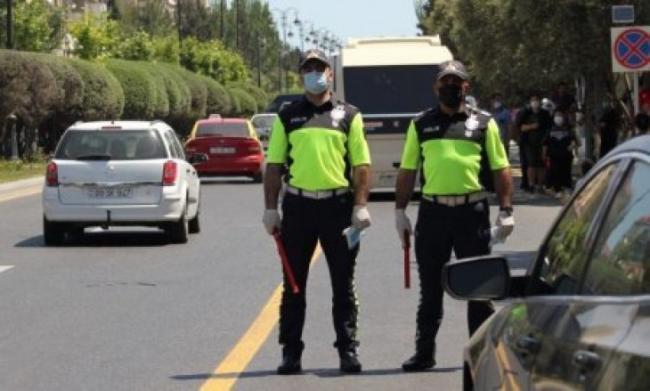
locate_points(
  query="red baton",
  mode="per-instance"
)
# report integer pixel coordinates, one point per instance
(285, 263)
(407, 260)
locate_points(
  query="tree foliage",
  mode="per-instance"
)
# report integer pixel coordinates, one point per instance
(38, 26)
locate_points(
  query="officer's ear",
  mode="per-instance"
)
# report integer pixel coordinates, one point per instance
(466, 87)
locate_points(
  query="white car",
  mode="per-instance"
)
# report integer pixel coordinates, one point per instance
(120, 173)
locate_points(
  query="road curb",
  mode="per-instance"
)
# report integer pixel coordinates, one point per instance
(21, 184)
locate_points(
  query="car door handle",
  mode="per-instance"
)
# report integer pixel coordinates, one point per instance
(529, 344)
(586, 360)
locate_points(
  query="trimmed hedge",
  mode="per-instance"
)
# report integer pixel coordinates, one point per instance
(178, 93)
(261, 99)
(103, 95)
(161, 101)
(247, 104)
(218, 98)
(138, 86)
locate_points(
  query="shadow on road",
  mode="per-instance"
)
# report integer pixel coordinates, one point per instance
(104, 239)
(320, 372)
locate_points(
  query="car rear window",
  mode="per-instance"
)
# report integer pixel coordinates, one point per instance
(223, 129)
(111, 145)
(264, 121)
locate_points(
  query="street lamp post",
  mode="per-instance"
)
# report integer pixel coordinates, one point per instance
(179, 24)
(284, 13)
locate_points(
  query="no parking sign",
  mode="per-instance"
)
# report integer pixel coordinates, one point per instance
(631, 49)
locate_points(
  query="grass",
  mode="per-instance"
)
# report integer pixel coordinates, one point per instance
(15, 170)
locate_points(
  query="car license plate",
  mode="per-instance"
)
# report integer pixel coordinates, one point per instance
(222, 150)
(110, 191)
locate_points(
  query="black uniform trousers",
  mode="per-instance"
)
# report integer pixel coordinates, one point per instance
(559, 174)
(439, 229)
(306, 221)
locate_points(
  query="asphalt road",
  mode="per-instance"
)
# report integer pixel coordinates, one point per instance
(124, 310)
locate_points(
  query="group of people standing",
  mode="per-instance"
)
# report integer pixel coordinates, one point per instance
(318, 148)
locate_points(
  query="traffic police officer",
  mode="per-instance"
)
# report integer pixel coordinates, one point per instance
(320, 145)
(449, 143)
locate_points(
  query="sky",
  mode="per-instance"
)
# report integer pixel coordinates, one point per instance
(355, 18)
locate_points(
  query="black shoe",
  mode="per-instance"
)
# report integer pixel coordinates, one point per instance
(418, 363)
(290, 365)
(349, 361)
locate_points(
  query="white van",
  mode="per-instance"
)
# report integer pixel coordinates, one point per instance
(390, 80)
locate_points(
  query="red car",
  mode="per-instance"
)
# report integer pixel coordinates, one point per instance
(226, 147)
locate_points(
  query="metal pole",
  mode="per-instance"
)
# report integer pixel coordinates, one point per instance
(10, 38)
(284, 46)
(259, 62)
(237, 23)
(14, 137)
(178, 24)
(635, 98)
(223, 11)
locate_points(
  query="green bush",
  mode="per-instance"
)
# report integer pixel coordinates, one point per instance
(235, 103)
(103, 96)
(161, 101)
(198, 100)
(247, 104)
(218, 98)
(261, 99)
(138, 86)
(178, 93)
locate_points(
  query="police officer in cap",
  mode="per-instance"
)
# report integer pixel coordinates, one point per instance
(320, 145)
(449, 144)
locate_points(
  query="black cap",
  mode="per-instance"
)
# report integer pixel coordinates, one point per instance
(313, 54)
(452, 67)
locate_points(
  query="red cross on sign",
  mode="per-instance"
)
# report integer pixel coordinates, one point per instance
(630, 49)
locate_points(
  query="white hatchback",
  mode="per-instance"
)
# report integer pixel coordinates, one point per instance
(120, 173)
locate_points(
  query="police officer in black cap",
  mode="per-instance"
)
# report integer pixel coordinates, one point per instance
(323, 147)
(449, 144)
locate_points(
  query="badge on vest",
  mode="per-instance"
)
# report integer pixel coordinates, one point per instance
(337, 114)
(471, 125)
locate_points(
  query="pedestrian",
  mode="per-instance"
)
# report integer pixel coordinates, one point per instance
(501, 115)
(609, 123)
(563, 99)
(535, 123)
(449, 143)
(320, 145)
(559, 148)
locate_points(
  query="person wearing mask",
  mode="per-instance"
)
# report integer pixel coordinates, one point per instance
(563, 99)
(322, 146)
(559, 149)
(502, 116)
(449, 144)
(535, 123)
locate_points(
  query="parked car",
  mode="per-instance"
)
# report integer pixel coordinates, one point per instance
(120, 173)
(282, 100)
(226, 147)
(263, 123)
(579, 319)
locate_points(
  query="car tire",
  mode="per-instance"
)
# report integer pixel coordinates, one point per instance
(258, 177)
(194, 226)
(53, 233)
(178, 231)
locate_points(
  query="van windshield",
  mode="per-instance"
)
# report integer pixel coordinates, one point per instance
(394, 89)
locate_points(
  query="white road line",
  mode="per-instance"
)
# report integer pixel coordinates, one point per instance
(5, 268)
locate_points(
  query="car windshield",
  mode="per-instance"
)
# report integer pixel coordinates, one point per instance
(110, 145)
(238, 129)
(263, 121)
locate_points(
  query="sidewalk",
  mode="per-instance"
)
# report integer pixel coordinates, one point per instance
(21, 184)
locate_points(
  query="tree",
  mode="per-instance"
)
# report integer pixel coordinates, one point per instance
(97, 36)
(38, 26)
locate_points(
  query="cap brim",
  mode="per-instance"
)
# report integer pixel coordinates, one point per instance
(460, 74)
(305, 61)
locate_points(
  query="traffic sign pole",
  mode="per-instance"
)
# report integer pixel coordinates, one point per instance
(635, 83)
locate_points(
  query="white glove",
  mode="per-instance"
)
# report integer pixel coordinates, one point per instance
(402, 223)
(504, 226)
(271, 220)
(360, 217)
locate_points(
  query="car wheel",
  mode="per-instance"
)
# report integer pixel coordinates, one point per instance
(53, 233)
(258, 177)
(194, 225)
(178, 231)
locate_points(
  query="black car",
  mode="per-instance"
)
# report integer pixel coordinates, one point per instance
(579, 319)
(280, 101)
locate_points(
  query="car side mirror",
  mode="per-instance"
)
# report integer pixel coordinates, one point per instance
(484, 278)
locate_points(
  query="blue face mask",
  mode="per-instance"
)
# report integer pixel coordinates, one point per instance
(316, 82)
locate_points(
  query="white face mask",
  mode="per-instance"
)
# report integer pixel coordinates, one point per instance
(559, 120)
(535, 104)
(496, 105)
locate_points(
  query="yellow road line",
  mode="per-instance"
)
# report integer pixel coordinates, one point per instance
(228, 371)
(29, 191)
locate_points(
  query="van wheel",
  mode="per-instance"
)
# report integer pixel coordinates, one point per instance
(178, 231)
(194, 225)
(53, 233)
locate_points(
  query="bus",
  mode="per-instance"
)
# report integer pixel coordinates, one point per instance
(390, 80)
